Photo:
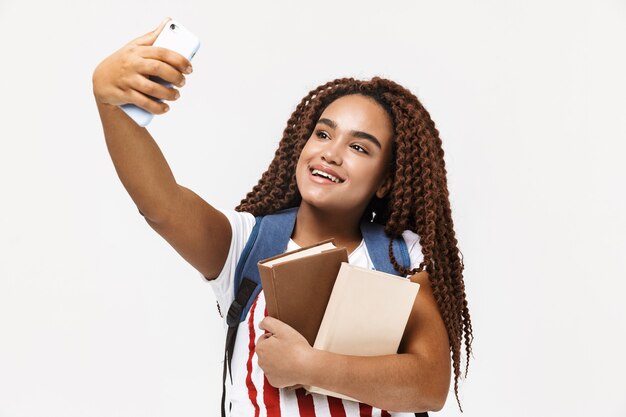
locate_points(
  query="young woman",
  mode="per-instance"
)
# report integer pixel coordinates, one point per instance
(352, 151)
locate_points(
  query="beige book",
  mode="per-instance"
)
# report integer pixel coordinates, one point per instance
(366, 315)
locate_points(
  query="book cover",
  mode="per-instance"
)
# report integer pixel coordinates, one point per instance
(298, 284)
(366, 315)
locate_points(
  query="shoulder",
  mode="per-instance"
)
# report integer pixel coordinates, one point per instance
(239, 219)
(412, 241)
(241, 224)
(411, 238)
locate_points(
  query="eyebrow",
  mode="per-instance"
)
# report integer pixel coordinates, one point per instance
(355, 133)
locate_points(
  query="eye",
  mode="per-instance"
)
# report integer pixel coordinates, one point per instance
(322, 135)
(359, 148)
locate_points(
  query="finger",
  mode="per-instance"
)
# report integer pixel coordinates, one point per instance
(147, 103)
(152, 88)
(262, 338)
(270, 324)
(173, 58)
(150, 37)
(161, 70)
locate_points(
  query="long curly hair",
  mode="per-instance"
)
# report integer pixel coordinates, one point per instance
(418, 200)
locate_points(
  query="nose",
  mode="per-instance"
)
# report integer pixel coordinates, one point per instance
(332, 153)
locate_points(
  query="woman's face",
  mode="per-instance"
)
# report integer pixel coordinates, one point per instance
(344, 162)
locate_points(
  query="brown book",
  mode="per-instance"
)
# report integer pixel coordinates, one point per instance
(298, 284)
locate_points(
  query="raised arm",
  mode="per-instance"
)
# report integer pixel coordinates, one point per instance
(197, 231)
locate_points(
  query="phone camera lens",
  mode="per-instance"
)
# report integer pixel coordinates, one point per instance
(172, 27)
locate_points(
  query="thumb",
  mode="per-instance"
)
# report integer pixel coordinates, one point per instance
(269, 324)
(149, 38)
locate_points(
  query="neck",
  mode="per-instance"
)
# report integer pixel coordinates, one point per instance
(314, 225)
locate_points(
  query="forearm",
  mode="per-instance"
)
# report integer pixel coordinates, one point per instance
(400, 382)
(139, 163)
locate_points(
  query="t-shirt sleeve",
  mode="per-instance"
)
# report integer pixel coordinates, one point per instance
(415, 249)
(241, 224)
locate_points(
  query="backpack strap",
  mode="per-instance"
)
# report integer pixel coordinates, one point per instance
(245, 292)
(269, 237)
(377, 244)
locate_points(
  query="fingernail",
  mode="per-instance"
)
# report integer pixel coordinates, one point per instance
(188, 70)
(177, 95)
(182, 82)
(167, 108)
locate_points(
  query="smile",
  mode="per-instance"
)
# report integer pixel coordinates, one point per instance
(325, 177)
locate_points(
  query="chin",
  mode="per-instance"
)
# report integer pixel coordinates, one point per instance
(316, 201)
(325, 203)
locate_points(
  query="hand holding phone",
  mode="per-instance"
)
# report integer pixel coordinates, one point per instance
(143, 73)
(174, 37)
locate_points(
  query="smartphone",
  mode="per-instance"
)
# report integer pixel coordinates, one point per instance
(177, 38)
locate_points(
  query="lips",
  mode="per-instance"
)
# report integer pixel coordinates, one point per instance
(325, 174)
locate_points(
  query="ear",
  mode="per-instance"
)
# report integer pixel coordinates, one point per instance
(384, 187)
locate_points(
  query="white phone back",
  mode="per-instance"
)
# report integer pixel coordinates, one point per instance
(177, 38)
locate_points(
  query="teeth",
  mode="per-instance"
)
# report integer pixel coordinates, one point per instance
(326, 175)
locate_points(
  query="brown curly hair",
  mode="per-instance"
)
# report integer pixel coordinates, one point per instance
(418, 200)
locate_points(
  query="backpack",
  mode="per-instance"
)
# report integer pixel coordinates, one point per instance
(269, 237)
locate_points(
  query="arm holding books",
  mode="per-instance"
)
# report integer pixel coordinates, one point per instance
(416, 379)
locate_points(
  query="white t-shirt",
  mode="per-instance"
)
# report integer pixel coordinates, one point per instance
(250, 393)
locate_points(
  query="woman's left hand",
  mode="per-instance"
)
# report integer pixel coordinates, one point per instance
(283, 353)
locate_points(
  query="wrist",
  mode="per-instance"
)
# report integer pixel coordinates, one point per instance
(97, 96)
(103, 107)
(310, 366)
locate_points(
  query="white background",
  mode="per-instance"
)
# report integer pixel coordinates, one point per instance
(99, 316)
